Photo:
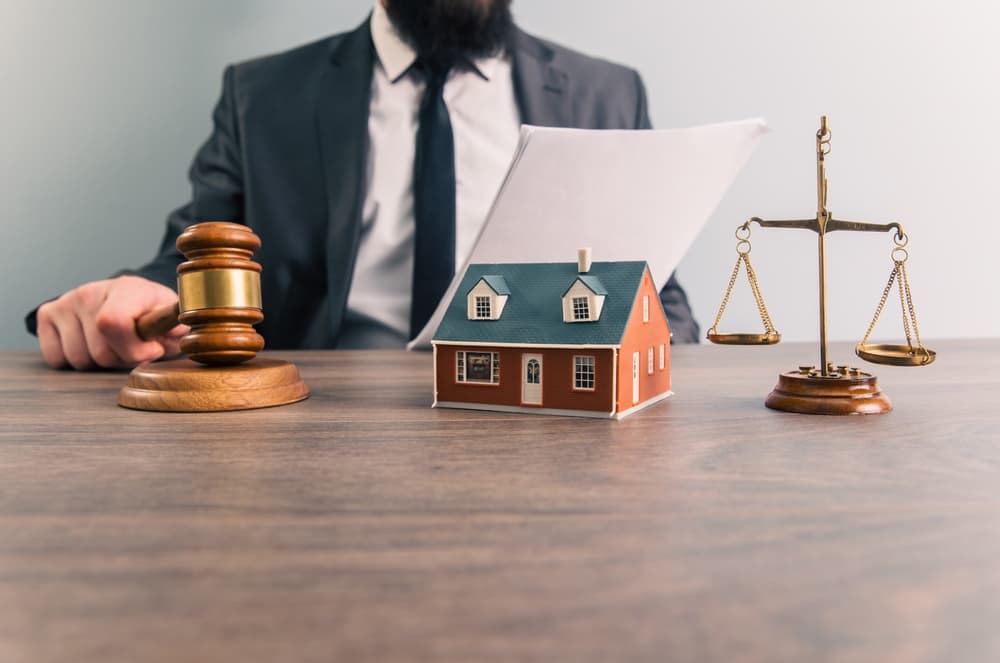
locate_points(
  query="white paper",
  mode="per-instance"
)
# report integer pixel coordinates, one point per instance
(629, 195)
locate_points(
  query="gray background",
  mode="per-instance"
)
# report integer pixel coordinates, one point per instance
(104, 103)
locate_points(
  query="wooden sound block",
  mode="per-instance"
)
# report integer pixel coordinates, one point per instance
(181, 385)
(853, 392)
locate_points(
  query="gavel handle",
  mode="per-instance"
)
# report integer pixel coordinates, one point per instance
(157, 322)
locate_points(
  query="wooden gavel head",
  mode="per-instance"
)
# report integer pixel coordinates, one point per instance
(218, 290)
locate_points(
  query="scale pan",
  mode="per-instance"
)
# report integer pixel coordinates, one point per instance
(744, 339)
(895, 355)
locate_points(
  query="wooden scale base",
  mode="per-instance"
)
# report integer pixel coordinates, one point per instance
(181, 385)
(842, 390)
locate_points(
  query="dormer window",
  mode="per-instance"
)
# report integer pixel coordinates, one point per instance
(487, 298)
(584, 299)
(484, 307)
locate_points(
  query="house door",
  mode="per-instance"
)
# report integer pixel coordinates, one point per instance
(635, 378)
(531, 384)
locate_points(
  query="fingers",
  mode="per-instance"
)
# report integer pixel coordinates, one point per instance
(127, 300)
(82, 345)
(49, 340)
(94, 325)
(171, 342)
(116, 328)
(60, 334)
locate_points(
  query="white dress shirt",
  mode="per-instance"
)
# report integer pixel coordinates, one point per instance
(485, 122)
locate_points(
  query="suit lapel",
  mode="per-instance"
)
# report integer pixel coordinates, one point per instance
(541, 88)
(342, 126)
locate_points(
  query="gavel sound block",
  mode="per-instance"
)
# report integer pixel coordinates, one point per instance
(218, 290)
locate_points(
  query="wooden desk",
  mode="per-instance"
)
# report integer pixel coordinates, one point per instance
(361, 525)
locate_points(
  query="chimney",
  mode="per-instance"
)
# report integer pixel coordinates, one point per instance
(583, 259)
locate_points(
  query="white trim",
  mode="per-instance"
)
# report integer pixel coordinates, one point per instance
(435, 351)
(481, 304)
(635, 377)
(593, 414)
(655, 399)
(494, 368)
(483, 344)
(645, 308)
(593, 372)
(526, 359)
(616, 357)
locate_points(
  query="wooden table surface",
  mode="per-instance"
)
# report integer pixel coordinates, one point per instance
(362, 525)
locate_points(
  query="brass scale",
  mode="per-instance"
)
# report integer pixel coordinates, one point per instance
(829, 388)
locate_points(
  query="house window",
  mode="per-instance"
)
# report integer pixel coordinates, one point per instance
(534, 372)
(649, 361)
(484, 311)
(481, 367)
(663, 356)
(581, 308)
(583, 372)
(645, 308)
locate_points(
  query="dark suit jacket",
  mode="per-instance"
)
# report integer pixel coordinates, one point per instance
(287, 157)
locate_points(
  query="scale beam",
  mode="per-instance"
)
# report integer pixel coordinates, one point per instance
(831, 225)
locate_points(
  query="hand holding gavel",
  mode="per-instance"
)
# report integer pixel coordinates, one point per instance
(219, 299)
(93, 325)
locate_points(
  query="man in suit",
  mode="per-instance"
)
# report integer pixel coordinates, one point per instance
(315, 150)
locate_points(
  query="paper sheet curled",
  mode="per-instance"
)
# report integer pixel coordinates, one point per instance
(631, 195)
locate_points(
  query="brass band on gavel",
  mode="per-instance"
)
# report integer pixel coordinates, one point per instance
(218, 290)
(215, 288)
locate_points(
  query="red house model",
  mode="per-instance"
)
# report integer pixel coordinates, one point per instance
(575, 339)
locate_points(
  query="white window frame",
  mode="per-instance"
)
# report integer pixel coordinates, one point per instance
(663, 356)
(461, 366)
(483, 304)
(649, 360)
(581, 308)
(645, 308)
(584, 372)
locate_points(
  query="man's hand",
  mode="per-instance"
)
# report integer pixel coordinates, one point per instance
(93, 326)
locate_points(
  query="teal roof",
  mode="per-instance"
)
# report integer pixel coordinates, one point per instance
(534, 314)
(496, 282)
(591, 282)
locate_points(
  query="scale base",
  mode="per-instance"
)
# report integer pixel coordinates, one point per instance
(181, 385)
(842, 391)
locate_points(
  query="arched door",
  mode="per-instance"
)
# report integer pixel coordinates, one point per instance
(531, 383)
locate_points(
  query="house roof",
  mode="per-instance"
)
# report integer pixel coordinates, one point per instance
(534, 313)
(496, 282)
(591, 281)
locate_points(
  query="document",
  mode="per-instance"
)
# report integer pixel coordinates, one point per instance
(628, 195)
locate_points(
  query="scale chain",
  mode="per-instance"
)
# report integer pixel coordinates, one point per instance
(905, 299)
(729, 292)
(755, 288)
(744, 257)
(881, 303)
(905, 282)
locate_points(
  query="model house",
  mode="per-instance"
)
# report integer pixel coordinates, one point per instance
(577, 338)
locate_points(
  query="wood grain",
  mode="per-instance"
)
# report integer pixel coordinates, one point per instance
(181, 385)
(362, 525)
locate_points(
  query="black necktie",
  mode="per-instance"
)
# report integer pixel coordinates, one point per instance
(433, 201)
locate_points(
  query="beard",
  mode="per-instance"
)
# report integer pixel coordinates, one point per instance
(443, 32)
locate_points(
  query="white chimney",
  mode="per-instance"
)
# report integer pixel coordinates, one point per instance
(583, 260)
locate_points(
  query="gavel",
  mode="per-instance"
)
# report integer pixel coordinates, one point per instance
(218, 291)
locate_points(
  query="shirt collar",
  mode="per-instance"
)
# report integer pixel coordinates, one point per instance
(396, 56)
